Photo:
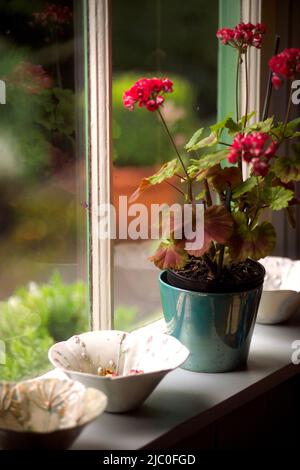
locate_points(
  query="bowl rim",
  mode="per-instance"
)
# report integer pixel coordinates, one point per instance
(66, 428)
(118, 377)
(290, 291)
(48, 433)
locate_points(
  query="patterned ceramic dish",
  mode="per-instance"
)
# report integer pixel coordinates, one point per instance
(46, 413)
(136, 362)
(280, 298)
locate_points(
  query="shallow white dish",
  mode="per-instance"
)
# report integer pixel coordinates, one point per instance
(280, 298)
(155, 354)
(46, 413)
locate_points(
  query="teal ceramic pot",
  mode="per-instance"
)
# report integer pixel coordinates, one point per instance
(216, 327)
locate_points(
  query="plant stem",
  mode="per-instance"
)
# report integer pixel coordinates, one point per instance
(237, 101)
(255, 218)
(224, 143)
(240, 165)
(207, 193)
(290, 211)
(172, 142)
(222, 249)
(175, 187)
(210, 263)
(287, 114)
(257, 210)
(247, 90)
(270, 86)
(180, 176)
(189, 182)
(221, 259)
(237, 86)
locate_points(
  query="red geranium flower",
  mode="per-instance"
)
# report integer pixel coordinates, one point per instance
(285, 65)
(242, 36)
(255, 149)
(147, 92)
(53, 15)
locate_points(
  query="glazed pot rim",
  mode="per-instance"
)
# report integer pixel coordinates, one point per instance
(193, 292)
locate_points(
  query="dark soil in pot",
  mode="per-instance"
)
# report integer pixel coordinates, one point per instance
(196, 276)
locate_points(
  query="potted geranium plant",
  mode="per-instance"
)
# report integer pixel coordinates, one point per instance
(210, 296)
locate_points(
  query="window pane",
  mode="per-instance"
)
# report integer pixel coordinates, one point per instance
(162, 38)
(42, 174)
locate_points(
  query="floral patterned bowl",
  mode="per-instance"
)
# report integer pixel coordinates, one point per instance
(125, 366)
(46, 413)
(281, 297)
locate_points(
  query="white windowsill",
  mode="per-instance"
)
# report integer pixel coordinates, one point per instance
(186, 402)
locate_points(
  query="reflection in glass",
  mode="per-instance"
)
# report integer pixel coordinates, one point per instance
(42, 166)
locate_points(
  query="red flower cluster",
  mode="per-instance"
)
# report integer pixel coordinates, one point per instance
(253, 149)
(285, 65)
(147, 92)
(53, 14)
(242, 36)
(30, 77)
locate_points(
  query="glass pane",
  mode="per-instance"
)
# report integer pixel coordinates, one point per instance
(163, 38)
(42, 182)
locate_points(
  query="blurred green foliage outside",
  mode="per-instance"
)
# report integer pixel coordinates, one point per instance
(37, 316)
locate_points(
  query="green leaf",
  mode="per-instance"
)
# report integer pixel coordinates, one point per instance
(229, 175)
(243, 118)
(232, 126)
(277, 197)
(200, 195)
(206, 161)
(291, 126)
(288, 168)
(261, 126)
(288, 130)
(170, 254)
(244, 187)
(218, 223)
(218, 227)
(206, 173)
(208, 141)
(213, 137)
(251, 243)
(194, 139)
(165, 172)
(270, 193)
(211, 159)
(219, 126)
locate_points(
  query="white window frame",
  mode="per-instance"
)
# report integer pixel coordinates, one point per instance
(100, 161)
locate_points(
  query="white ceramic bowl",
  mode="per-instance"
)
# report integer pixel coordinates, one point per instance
(280, 298)
(46, 413)
(155, 354)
